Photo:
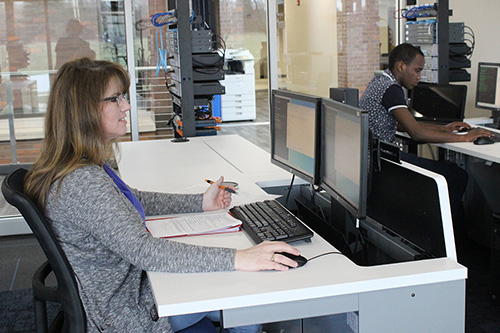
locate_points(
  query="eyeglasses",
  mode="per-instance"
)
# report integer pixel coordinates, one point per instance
(118, 99)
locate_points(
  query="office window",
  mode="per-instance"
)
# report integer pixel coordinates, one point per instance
(332, 43)
(37, 37)
(243, 25)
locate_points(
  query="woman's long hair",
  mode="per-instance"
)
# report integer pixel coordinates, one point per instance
(73, 132)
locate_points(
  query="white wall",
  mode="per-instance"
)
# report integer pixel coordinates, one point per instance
(482, 17)
(310, 48)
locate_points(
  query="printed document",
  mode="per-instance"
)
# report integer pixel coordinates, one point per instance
(193, 224)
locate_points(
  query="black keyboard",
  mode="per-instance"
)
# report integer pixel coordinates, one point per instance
(269, 220)
(495, 137)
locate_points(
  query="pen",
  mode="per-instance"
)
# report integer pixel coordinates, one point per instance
(222, 187)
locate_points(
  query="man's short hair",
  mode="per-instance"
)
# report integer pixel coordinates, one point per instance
(403, 52)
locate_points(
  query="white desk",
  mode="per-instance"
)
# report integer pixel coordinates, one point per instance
(486, 152)
(420, 296)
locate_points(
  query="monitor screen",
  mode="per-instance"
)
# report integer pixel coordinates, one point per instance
(294, 129)
(488, 86)
(344, 166)
(442, 103)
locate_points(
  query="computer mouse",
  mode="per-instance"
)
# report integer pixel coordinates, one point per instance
(483, 140)
(301, 261)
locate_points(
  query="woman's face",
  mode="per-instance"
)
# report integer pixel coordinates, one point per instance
(114, 111)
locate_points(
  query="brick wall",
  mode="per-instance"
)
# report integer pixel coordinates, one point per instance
(232, 22)
(358, 43)
(27, 151)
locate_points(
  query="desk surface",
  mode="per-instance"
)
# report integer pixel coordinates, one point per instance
(486, 152)
(161, 165)
(185, 165)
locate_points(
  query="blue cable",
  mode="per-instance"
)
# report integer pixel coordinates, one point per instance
(159, 20)
(416, 11)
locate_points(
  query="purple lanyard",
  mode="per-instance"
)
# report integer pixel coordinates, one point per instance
(126, 191)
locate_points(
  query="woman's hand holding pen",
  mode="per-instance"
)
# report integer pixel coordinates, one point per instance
(259, 257)
(216, 197)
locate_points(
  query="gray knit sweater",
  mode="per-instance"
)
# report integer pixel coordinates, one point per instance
(109, 248)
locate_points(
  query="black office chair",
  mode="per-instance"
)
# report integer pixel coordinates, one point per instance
(71, 318)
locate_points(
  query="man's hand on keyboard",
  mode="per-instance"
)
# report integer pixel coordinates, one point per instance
(476, 133)
(261, 257)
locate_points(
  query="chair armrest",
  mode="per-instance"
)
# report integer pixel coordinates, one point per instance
(40, 290)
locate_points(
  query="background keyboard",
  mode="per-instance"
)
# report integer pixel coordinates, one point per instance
(495, 137)
(269, 220)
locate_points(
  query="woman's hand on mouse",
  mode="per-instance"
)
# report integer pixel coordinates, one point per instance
(263, 257)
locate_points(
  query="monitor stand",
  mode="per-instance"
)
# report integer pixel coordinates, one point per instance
(495, 115)
(495, 123)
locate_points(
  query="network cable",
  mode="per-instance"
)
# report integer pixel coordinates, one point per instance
(159, 20)
(416, 12)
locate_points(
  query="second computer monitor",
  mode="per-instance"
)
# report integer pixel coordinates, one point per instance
(441, 103)
(294, 133)
(349, 96)
(488, 89)
(344, 166)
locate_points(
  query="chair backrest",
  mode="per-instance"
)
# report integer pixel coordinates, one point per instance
(66, 292)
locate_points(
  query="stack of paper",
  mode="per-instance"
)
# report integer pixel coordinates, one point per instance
(193, 225)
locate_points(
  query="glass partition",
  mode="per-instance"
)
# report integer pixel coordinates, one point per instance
(37, 37)
(330, 43)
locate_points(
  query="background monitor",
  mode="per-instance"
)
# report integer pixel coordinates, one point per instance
(488, 88)
(344, 165)
(294, 133)
(442, 103)
(348, 96)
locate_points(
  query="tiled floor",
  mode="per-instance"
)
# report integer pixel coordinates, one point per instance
(21, 256)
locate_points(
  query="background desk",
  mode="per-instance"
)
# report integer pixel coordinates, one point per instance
(420, 296)
(482, 197)
(486, 152)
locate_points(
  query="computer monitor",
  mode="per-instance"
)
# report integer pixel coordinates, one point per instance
(348, 96)
(438, 103)
(344, 166)
(294, 133)
(488, 88)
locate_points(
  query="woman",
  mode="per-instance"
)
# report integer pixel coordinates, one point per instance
(99, 221)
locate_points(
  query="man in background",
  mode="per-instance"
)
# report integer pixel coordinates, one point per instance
(71, 46)
(385, 101)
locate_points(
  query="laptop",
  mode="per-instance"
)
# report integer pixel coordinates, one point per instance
(438, 103)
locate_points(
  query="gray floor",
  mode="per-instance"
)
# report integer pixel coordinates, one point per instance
(255, 131)
(21, 255)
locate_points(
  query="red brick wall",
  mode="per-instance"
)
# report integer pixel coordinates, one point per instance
(358, 43)
(232, 22)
